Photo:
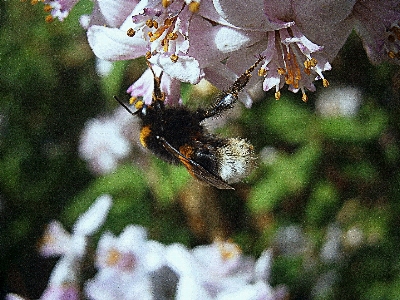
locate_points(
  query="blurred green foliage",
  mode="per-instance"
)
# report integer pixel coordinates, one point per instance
(325, 171)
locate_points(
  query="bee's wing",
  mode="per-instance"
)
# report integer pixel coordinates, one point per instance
(195, 169)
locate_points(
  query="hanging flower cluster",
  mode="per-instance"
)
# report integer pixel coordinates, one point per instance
(218, 39)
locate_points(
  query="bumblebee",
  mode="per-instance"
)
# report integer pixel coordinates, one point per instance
(176, 135)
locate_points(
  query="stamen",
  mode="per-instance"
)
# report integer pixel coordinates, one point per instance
(138, 104)
(165, 44)
(174, 58)
(277, 95)
(262, 72)
(172, 36)
(194, 6)
(131, 32)
(166, 3)
(132, 100)
(308, 64)
(147, 55)
(49, 19)
(281, 71)
(304, 97)
(149, 23)
(325, 82)
(47, 8)
(293, 75)
(157, 33)
(391, 54)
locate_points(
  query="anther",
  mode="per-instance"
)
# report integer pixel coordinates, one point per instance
(391, 54)
(49, 19)
(149, 23)
(281, 71)
(47, 8)
(174, 58)
(172, 36)
(262, 72)
(194, 6)
(132, 100)
(304, 97)
(166, 3)
(131, 32)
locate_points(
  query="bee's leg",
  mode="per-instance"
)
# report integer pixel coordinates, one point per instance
(227, 98)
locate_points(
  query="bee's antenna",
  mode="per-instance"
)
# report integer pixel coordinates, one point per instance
(124, 106)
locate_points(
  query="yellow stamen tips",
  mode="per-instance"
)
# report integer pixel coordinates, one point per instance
(49, 19)
(262, 72)
(304, 97)
(132, 100)
(131, 32)
(169, 21)
(138, 104)
(155, 24)
(149, 23)
(172, 36)
(308, 64)
(174, 58)
(293, 74)
(34, 2)
(166, 3)
(325, 82)
(194, 6)
(147, 55)
(47, 8)
(164, 44)
(281, 71)
(391, 54)
(277, 95)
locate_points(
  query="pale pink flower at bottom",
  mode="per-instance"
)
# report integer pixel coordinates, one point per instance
(125, 264)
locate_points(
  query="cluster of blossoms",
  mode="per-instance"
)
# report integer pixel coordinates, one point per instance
(132, 267)
(219, 39)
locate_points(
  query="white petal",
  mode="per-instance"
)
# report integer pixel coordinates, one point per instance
(65, 271)
(186, 69)
(270, 82)
(180, 260)
(229, 39)
(114, 44)
(262, 268)
(188, 288)
(94, 217)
